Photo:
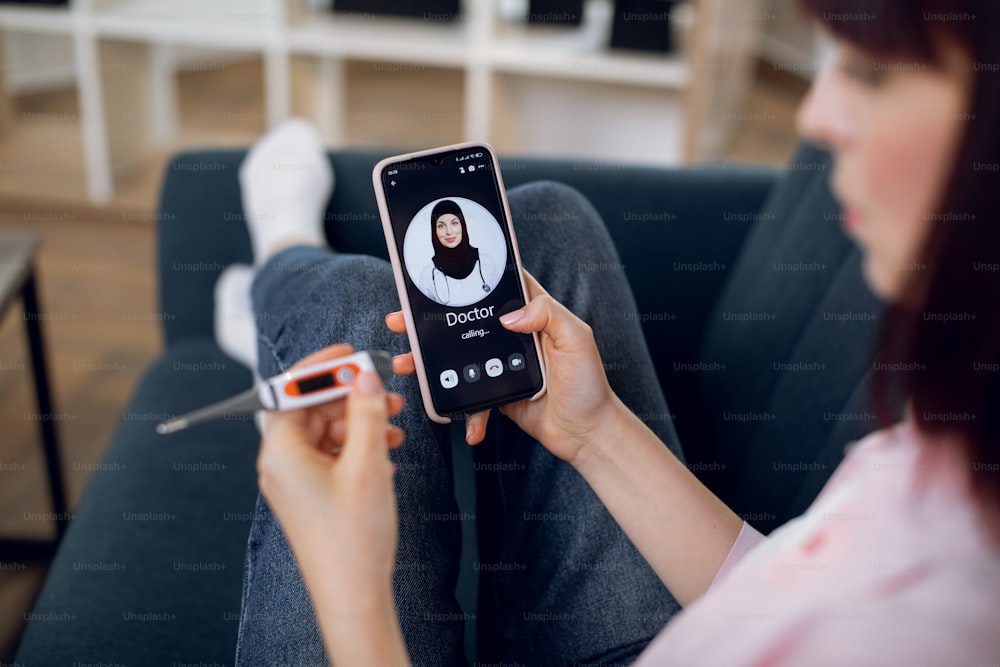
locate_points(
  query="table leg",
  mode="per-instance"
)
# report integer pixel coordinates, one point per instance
(32, 320)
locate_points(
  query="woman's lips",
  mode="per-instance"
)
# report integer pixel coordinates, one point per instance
(851, 219)
(450, 239)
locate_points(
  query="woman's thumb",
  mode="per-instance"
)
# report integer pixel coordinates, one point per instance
(366, 421)
(542, 315)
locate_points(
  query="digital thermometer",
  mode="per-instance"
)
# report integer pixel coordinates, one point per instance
(291, 390)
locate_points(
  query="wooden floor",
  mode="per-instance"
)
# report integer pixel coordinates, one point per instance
(90, 274)
(96, 265)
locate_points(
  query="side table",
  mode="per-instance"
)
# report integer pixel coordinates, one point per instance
(18, 251)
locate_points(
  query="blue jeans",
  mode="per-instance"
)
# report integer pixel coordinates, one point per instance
(561, 583)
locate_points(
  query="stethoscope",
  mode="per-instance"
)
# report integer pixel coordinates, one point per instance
(479, 264)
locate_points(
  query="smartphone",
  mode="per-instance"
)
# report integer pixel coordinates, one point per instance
(457, 268)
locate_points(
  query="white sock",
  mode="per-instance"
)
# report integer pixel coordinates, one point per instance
(285, 183)
(235, 326)
(235, 329)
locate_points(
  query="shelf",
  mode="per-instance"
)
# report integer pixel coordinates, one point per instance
(239, 24)
(582, 53)
(578, 54)
(638, 70)
(55, 20)
(381, 39)
(530, 88)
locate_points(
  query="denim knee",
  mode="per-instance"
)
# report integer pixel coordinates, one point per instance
(305, 299)
(546, 212)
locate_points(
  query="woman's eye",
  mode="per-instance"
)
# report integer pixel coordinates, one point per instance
(863, 70)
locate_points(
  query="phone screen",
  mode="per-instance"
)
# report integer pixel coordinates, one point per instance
(450, 228)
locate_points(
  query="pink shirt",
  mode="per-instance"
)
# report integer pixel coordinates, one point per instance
(878, 571)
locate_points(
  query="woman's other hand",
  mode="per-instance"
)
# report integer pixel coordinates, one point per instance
(325, 473)
(403, 364)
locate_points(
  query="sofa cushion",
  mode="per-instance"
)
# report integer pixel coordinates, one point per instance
(150, 570)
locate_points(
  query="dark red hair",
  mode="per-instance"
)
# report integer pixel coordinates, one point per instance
(950, 326)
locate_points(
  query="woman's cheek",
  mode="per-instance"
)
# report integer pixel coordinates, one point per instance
(905, 178)
(893, 212)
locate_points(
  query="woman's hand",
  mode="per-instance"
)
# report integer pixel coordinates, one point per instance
(578, 397)
(403, 364)
(325, 473)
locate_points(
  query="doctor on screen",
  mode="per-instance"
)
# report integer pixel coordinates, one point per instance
(459, 273)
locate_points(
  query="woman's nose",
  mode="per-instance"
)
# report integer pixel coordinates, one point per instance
(826, 116)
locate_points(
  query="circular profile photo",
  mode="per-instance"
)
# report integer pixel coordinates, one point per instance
(454, 251)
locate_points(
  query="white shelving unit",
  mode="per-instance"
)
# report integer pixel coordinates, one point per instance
(527, 89)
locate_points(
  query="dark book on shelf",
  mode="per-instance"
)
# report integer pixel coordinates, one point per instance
(642, 25)
(442, 11)
(559, 12)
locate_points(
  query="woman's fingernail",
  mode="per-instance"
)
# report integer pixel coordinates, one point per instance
(470, 430)
(368, 384)
(512, 317)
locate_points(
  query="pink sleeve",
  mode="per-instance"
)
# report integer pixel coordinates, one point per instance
(748, 538)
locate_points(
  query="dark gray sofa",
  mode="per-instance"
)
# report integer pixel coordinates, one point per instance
(754, 311)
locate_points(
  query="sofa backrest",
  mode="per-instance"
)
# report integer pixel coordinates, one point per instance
(656, 216)
(787, 354)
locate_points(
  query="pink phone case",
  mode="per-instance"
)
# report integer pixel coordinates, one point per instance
(397, 266)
